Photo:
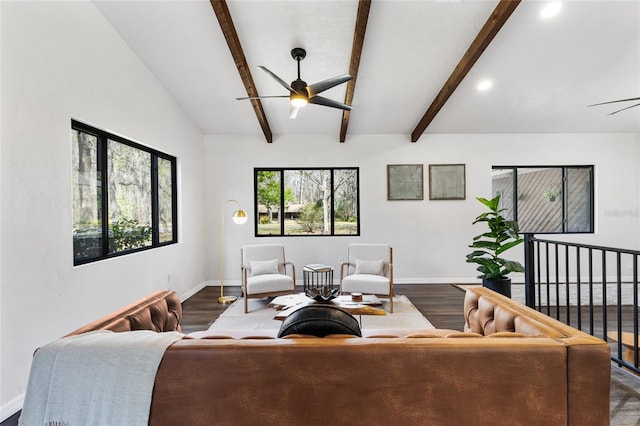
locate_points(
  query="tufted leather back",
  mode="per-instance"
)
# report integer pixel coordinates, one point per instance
(485, 314)
(160, 311)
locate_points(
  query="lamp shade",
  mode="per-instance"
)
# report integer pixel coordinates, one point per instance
(239, 217)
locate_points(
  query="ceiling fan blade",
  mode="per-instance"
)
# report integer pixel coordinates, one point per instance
(276, 78)
(261, 97)
(293, 112)
(615, 112)
(319, 100)
(321, 86)
(613, 102)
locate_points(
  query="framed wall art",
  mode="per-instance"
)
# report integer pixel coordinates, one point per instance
(405, 182)
(447, 182)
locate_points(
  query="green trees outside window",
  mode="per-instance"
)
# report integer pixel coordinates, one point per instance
(124, 195)
(317, 201)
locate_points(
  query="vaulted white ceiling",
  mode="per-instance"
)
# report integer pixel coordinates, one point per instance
(544, 71)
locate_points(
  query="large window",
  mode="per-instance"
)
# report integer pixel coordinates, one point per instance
(546, 199)
(319, 201)
(124, 195)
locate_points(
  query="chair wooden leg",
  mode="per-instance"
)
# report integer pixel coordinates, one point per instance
(391, 304)
(246, 304)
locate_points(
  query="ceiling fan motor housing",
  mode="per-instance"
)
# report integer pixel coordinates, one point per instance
(300, 87)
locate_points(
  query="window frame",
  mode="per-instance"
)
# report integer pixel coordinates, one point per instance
(282, 171)
(564, 169)
(102, 138)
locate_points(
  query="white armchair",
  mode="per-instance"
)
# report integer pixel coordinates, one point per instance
(369, 270)
(264, 272)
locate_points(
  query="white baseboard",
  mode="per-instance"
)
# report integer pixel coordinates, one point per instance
(193, 291)
(423, 280)
(236, 283)
(227, 283)
(11, 407)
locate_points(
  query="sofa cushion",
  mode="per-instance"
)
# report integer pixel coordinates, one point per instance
(365, 283)
(320, 321)
(268, 283)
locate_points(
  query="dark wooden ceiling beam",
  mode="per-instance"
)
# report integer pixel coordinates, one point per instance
(231, 36)
(500, 15)
(356, 50)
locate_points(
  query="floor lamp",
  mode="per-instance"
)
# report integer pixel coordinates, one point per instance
(239, 217)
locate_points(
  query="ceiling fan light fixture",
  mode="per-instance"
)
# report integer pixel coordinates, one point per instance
(298, 101)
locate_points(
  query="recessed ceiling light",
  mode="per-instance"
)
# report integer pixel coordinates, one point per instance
(485, 85)
(551, 9)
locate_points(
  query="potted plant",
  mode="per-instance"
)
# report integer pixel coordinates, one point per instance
(500, 237)
(550, 194)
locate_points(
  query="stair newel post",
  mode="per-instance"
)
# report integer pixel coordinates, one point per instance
(529, 271)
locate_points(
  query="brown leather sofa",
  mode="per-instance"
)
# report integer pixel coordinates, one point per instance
(512, 365)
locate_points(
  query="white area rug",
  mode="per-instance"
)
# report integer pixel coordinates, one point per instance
(405, 316)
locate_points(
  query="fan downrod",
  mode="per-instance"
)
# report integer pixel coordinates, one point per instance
(298, 53)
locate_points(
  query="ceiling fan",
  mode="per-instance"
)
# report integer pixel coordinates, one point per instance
(620, 100)
(300, 93)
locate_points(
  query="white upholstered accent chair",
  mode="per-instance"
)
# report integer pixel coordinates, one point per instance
(264, 272)
(369, 270)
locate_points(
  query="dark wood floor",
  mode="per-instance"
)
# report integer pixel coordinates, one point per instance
(442, 304)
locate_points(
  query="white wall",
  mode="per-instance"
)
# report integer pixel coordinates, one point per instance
(430, 238)
(62, 60)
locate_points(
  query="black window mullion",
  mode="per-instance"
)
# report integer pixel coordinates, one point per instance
(104, 195)
(515, 193)
(155, 209)
(281, 212)
(174, 201)
(332, 207)
(592, 199)
(565, 201)
(358, 199)
(256, 204)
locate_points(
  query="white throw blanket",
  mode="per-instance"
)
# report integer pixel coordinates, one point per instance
(96, 378)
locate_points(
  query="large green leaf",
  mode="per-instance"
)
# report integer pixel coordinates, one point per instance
(513, 266)
(502, 235)
(492, 245)
(507, 246)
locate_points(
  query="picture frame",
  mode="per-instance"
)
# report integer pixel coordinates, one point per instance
(405, 182)
(447, 181)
